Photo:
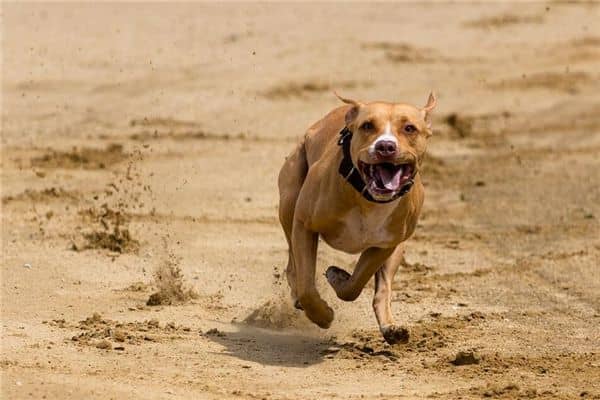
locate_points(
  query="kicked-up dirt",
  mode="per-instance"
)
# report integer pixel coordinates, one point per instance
(141, 251)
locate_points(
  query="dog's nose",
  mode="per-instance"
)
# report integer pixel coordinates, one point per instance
(385, 148)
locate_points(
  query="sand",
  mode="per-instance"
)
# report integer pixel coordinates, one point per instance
(140, 149)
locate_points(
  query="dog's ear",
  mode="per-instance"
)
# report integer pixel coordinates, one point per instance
(426, 111)
(431, 103)
(353, 112)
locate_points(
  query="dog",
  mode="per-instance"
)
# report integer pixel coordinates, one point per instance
(354, 181)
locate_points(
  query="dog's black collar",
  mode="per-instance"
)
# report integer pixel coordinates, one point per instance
(351, 174)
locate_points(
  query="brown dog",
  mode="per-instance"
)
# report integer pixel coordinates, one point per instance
(354, 181)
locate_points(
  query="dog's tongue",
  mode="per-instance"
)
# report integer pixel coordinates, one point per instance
(390, 178)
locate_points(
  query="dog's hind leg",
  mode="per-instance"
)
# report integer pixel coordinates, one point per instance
(291, 178)
(382, 301)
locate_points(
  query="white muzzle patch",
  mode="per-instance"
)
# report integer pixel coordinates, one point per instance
(387, 135)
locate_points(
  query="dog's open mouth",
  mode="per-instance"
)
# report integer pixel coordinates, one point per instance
(385, 178)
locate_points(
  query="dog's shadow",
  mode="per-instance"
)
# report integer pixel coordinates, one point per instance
(270, 347)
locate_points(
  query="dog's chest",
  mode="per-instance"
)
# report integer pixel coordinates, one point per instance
(356, 231)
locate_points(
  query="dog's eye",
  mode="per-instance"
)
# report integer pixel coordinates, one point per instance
(367, 126)
(410, 128)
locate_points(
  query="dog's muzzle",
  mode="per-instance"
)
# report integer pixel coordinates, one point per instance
(379, 182)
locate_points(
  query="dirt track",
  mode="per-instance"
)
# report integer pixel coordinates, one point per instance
(144, 138)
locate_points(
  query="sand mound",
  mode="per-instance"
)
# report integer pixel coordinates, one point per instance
(107, 334)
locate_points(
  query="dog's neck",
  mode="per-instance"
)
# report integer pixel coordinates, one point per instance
(351, 174)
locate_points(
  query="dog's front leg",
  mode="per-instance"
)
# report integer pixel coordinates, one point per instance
(304, 249)
(348, 287)
(382, 300)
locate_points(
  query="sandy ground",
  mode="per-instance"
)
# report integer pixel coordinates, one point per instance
(140, 149)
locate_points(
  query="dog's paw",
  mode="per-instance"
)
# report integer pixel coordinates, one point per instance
(336, 277)
(320, 313)
(297, 305)
(340, 282)
(394, 334)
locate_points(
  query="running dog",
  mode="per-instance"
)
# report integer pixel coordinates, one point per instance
(354, 181)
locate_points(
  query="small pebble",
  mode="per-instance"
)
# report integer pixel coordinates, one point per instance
(119, 335)
(331, 350)
(104, 344)
(466, 358)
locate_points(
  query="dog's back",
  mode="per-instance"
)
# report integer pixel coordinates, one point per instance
(319, 136)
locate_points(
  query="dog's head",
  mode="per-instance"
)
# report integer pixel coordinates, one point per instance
(388, 142)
